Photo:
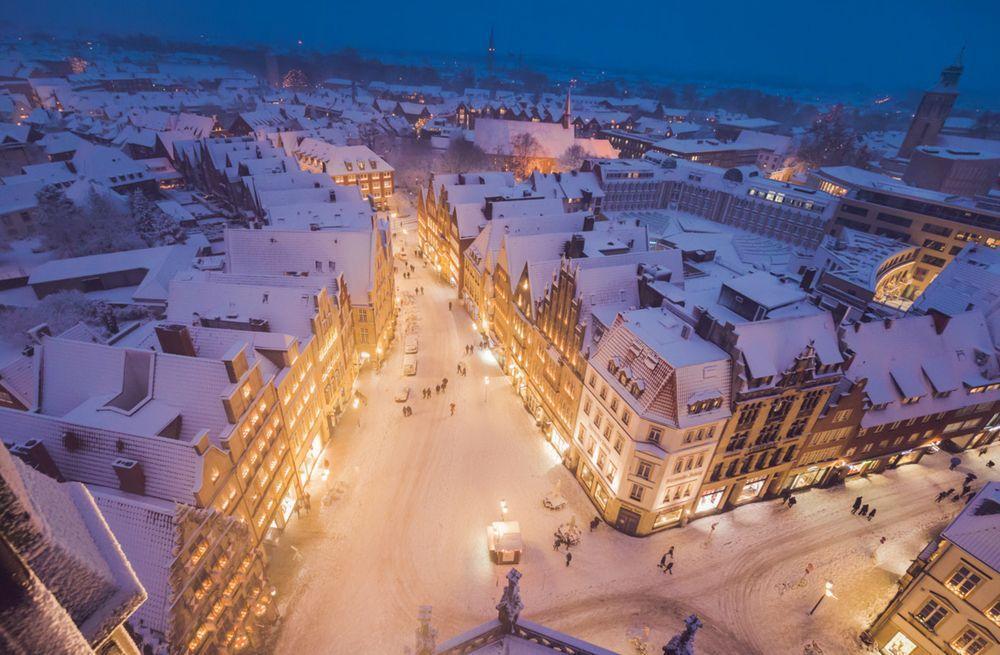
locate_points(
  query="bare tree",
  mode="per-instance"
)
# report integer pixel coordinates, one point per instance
(573, 158)
(524, 150)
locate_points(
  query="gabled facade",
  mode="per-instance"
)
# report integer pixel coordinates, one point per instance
(655, 402)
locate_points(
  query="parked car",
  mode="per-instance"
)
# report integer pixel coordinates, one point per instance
(402, 395)
(410, 344)
(409, 365)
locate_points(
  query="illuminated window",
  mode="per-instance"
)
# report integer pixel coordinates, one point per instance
(970, 642)
(963, 581)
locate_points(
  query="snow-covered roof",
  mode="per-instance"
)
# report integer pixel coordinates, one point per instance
(942, 364)
(661, 356)
(59, 532)
(496, 137)
(350, 253)
(160, 263)
(977, 529)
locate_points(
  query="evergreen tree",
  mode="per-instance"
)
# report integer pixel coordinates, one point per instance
(151, 223)
(830, 141)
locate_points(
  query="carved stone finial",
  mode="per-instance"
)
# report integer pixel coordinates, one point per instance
(426, 634)
(683, 643)
(510, 605)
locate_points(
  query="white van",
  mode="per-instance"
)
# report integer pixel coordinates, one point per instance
(409, 365)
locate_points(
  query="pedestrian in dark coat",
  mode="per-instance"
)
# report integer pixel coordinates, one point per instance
(990, 464)
(857, 505)
(569, 557)
(792, 501)
(941, 496)
(871, 514)
(594, 522)
(453, 409)
(864, 510)
(669, 568)
(954, 463)
(663, 561)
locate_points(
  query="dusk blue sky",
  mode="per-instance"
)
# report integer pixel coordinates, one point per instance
(873, 44)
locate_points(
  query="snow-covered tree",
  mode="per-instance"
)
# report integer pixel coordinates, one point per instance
(152, 224)
(60, 222)
(62, 311)
(831, 141)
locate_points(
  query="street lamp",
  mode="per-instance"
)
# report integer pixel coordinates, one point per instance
(828, 591)
(503, 510)
(486, 388)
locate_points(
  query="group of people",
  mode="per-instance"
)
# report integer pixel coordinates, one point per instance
(407, 410)
(427, 392)
(965, 494)
(460, 368)
(787, 498)
(861, 509)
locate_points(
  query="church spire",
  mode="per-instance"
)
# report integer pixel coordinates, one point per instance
(951, 74)
(567, 119)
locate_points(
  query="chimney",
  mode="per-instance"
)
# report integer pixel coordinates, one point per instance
(808, 276)
(588, 223)
(574, 247)
(33, 453)
(130, 476)
(175, 340)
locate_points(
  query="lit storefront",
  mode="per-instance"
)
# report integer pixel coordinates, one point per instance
(752, 489)
(667, 518)
(710, 500)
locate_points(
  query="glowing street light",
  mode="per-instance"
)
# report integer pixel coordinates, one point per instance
(828, 591)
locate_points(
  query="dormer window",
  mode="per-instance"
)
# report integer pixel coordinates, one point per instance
(349, 166)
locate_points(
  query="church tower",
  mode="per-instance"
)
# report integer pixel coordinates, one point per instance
(933, 110)
(567, 118)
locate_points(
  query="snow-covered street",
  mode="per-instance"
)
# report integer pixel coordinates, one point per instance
(414, 496)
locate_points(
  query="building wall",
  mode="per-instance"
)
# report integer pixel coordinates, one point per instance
(933, 611)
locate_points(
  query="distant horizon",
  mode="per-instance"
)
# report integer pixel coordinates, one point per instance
(869, 49)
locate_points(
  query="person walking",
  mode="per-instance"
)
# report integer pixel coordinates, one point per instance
(669, 568)
(857, 505)
(990, 464)
(871, 514)
(569, 557)
(864, 510)
(663, 562)
(437, 388)
(453, 409)
(953, 464)
(792, 501)
(594, 522)
(941, 496)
